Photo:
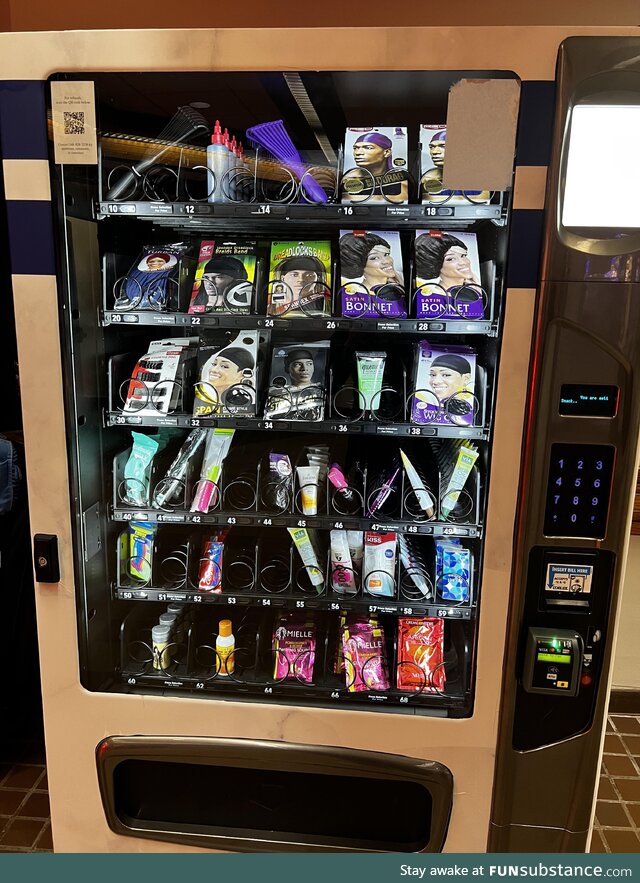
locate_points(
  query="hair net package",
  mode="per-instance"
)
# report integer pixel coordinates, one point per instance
(227, 377)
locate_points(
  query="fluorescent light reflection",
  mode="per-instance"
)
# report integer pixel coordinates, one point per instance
(602, 186)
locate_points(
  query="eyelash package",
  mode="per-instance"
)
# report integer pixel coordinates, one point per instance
(446, 287)
(227, 377)
(371, 275)
(233, 265)
(299, 279)
(444, 383)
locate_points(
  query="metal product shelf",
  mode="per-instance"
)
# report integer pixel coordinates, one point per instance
(333, 603)
(126, 318)
(200, 213)
(118, 418)
(243, 519)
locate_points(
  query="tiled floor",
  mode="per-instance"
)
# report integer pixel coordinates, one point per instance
(24, 798)
(24, 802)
(617, 825)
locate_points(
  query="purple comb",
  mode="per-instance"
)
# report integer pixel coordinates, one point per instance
(274, 138)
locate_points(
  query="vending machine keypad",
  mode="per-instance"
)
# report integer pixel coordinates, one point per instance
(578, 490)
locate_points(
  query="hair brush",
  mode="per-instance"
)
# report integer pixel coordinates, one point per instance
(273, 137)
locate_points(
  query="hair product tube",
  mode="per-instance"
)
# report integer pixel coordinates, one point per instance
(425, 500)
(342, 572)
(218, 444)
(467, 457)
(370, 373)
(308, 480)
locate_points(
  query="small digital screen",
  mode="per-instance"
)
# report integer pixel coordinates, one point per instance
(578, 490)
(553, 657)
(588, 400)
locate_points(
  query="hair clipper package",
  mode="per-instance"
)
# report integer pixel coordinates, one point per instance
(433, 147)
(225, 278)
(444, 384)
(227, 377)
(299, 279)
(153, 281)
(375, 165)
(448, 283)
(371, 277)
(420, 665)
(298, 381)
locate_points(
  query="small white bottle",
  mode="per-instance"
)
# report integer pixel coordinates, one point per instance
(217, 163)
(225, 648)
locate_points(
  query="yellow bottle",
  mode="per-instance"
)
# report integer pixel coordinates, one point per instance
(225, 648)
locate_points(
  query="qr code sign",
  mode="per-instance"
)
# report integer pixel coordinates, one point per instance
(74, 122)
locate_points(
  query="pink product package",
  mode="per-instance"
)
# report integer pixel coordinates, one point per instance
(365, 657)
(294, 645)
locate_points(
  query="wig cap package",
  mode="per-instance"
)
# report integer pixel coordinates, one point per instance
(420, 654)
(299, 279)
(448, 283)
(375, 165)
(225, 278)
(153, 281)
(297, 385)
(227, 377)
(294, 645)
(444, 385)
(371, 277)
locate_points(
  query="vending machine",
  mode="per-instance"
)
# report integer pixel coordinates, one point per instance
(291, 373)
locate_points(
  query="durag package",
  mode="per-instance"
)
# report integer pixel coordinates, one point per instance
(225, 278)
(371, 275)
(444, 384)
(433, 145)
(448, 282)
(227, 377)
(375, 165)
(365, 657)
(294, 646)
(420, 665)
(156, 382)
(298, 382)
(299, 279)
(153, 281)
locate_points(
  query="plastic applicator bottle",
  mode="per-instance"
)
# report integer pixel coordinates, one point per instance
(217, 162)
(234, 164)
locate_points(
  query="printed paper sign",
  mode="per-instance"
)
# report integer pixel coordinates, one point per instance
(73, 106)
(570, 579)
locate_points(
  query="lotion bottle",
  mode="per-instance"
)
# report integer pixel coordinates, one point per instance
(225, 648)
